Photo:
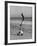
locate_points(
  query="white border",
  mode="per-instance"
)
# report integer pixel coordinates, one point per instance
(33, 14)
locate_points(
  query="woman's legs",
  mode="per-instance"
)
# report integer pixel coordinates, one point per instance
(20, 32)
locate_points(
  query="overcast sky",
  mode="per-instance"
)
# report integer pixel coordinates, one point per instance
(15, 11)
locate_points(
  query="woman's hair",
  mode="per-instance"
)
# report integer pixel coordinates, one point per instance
(22, 16)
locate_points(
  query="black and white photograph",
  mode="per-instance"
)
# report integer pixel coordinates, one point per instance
(20, 22)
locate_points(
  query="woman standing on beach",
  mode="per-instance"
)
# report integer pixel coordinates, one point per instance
(21, 32)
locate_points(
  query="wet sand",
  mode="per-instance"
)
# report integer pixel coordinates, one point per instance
(26, 27)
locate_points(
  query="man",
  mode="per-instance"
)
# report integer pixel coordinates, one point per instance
(21, 32)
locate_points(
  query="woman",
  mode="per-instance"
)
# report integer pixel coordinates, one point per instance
(21, 32)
